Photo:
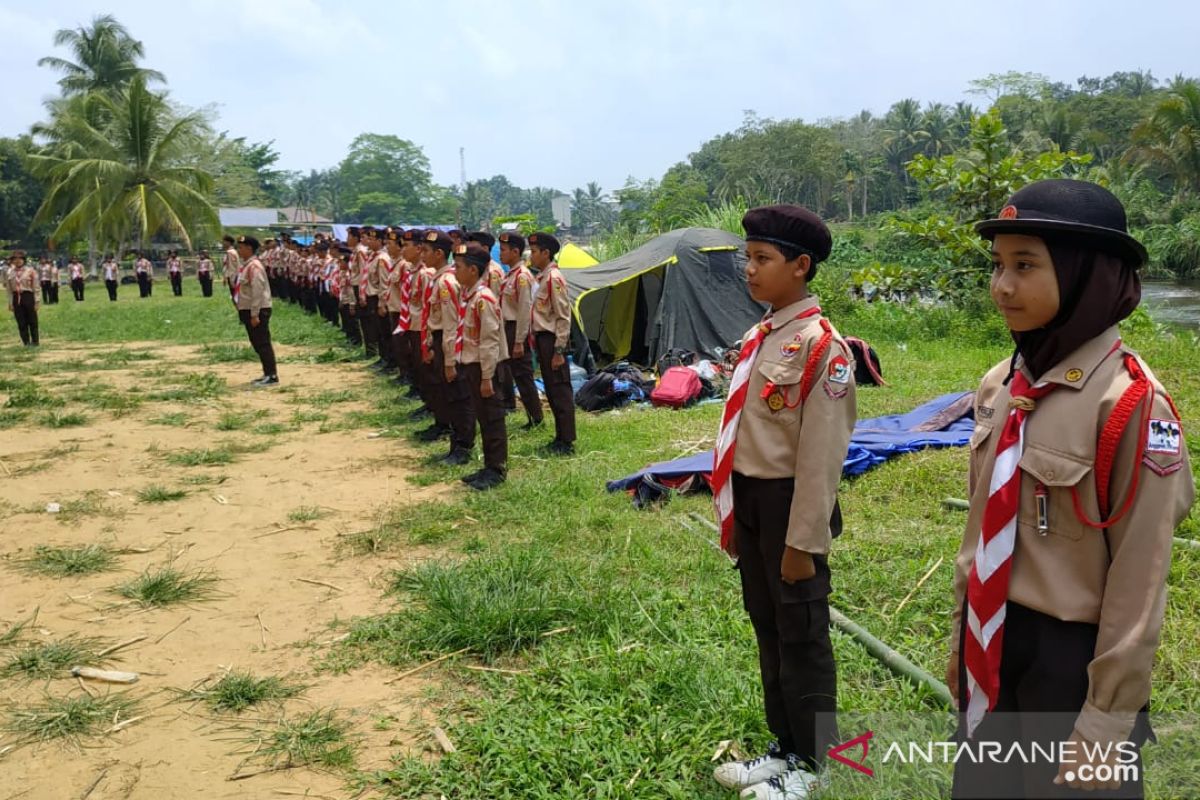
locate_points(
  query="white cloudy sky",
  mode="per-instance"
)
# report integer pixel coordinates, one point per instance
(560, 93)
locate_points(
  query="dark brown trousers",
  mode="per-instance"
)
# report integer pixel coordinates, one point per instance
(489, 412)
(791, 621)
(558, 388)
(455, 400)
(520, 371)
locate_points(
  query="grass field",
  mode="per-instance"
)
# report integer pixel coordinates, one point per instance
(591, 650)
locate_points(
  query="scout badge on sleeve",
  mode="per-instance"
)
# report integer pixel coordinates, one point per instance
(1164, 436)
(839, 370)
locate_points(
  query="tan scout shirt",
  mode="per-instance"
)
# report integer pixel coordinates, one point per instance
(112, 270)
(346, 284)
(551, 306)
(804, 439)
(494, 277)
(254, 292)
(395, 286)
(516, 299)
(26, 280)
(390, 273)
(422, 289)
(230, 265)
(483, 330)
(1116, 578)
(443, 310)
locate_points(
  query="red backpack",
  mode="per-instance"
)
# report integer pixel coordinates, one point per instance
(677, 387)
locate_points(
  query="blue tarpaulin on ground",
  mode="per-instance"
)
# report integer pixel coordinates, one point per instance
(945, 421)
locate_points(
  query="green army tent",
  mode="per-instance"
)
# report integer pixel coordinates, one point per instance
(684, 289)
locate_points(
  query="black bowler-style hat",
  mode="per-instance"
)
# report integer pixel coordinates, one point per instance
(1083, 211)
(544, 241)
(250, 240)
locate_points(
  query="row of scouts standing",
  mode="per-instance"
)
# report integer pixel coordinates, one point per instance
(435, 310)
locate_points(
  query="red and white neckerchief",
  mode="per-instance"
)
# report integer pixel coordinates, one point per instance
(173, 265)
(76, 271)
(739, 387)
(426, 306)
(460, 305)
(406, 285)
(365, 271)
(987, 584)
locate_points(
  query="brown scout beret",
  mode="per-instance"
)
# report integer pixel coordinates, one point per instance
(791, 226)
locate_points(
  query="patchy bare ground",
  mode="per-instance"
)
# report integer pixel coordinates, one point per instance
(282, 585)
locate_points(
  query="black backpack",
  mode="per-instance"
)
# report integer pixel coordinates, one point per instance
(597, 393)
(675, 357)
(867, 370)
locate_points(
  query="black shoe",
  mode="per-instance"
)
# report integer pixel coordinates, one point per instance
(510, 409)
(533, 423)
(413, 393)
(488, 479)
(420, 413)
(401, 380)
(266, 380)
(457, 457)
(560, 448)
(433, 433)
(474, 476)
(379, 366)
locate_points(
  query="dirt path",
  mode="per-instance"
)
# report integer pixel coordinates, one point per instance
(272, 617)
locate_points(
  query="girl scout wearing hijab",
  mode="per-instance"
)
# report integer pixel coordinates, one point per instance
(1079, 475)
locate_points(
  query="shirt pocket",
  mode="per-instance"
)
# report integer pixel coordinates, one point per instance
(778, 397)
(1063, 475)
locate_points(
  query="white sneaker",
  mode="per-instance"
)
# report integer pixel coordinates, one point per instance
(743, 774)
(794, 784)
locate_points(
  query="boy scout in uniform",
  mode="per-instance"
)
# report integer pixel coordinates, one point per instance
(175, 273)
(75, 273)
(1079, 475)
(55, 282)
(204, 274)
(483, 349)
(452, 410)
(398, 299)
(367, 253)
(420, 296)
(253, 298)
(494, 275)
(347, 296)
(23, 297)
(230, 264)
(112, 276)
(516, 305)
(389, 269)
(44, 275)
(784, 434)
(144, 270)
(551, 332)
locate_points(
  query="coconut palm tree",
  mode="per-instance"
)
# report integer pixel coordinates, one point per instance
(130, 178)
(105, 56)
(1169, 138)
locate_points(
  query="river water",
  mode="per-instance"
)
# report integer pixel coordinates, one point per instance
(1174, 303)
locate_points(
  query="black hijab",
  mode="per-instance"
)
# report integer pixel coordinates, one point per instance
(1096, 290)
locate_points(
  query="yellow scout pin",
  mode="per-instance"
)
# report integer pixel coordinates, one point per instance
(775, 401)
(1073, 375)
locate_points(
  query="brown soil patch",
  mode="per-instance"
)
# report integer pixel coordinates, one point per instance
(266, 619)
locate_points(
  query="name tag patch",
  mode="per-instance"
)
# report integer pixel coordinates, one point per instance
(839, 370)
(1164, 436)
